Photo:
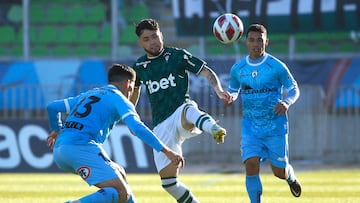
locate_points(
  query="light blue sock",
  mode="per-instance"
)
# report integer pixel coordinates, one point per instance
(254, 188)
(104, 195)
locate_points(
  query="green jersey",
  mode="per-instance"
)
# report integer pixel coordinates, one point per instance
(166, 78)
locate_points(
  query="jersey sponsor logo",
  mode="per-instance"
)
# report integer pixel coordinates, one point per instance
(163, 83)
(84, 172)
(143, 64)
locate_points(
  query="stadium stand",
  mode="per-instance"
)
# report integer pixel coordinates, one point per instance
(83, 50)
(76, 14)
(68, 34)
(61, 50)
(8, 35)
(74, 26)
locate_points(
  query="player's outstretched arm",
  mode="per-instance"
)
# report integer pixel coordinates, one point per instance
(214, 81)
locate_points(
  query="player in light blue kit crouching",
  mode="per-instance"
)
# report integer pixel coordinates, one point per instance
(77, 144)
(260, 78)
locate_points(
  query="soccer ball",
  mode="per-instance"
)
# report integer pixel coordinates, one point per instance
(228, 28)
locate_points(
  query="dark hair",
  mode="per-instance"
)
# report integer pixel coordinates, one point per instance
(256, 27)
(146, 24)
(120, 72)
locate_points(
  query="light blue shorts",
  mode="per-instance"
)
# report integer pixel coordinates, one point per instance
(90, 161)
(273, 148)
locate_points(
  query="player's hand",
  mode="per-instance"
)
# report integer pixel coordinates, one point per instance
(175, 158)
(51, 139)
(229, 101)
(179, 161)
(281, 108)
(224, 95)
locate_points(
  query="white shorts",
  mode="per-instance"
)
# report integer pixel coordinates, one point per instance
(172, 134)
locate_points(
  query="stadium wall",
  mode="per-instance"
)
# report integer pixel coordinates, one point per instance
(323, 123)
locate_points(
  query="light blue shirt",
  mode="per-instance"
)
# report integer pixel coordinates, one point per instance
(260, 84)
(93, 114)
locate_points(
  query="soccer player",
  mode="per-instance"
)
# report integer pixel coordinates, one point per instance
(260, 78)
(92, 114)
(165, 73)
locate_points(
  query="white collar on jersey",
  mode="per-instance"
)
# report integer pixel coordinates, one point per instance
(258, 61)
(153, 57)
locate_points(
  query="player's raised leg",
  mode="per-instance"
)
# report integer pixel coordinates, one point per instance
(203, 121)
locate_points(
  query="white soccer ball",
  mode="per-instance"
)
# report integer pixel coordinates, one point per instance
(228, 28)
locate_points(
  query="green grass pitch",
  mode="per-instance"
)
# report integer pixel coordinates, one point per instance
(330, 186)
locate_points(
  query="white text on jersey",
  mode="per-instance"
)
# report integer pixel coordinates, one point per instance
(164, 83)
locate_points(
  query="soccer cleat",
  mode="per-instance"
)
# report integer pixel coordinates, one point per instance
(295, 188)
(218, 133)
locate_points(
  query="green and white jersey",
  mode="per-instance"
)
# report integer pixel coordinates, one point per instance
(166, 78)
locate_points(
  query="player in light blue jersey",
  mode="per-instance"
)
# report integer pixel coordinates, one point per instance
(77, 144)
(260, 79)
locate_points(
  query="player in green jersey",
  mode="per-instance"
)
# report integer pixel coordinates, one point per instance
(165, 73)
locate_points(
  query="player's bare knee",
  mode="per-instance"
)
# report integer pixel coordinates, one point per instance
(185, 124)
(124, 196)
(252, 166)
(279, 172)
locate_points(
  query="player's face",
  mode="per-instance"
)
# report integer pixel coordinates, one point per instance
(130, 89)
(126, 88)
(152, 42)
(256, 43)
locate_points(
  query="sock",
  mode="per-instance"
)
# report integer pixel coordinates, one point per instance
(178, 190)
(254, 188)
(200, 119)
(104, 195)
(291, 174)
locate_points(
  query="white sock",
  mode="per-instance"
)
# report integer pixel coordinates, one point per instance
(200, 119)
(291, 174)
(178, 190)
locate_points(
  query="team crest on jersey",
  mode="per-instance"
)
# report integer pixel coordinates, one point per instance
(254, 73)
(143, 64)
(167, 56)
(84, 172)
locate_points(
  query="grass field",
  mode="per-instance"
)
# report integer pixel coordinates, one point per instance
(331, 186)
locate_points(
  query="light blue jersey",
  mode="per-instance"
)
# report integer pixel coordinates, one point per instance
(260, 84)
(93, 114)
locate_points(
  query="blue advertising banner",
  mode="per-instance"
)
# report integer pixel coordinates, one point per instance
(23, 148)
